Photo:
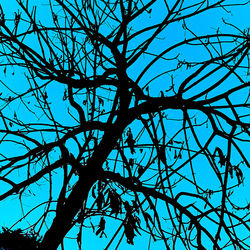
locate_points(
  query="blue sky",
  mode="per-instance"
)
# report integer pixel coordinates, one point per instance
(205, 23)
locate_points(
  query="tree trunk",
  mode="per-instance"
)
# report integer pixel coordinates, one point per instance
(62, 223)
(88, 175)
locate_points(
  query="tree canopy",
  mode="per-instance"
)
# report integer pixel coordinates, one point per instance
(128, 119)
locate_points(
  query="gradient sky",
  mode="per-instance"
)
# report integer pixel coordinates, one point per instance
(206, 23)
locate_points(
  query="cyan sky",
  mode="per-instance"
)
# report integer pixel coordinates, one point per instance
(203, 24)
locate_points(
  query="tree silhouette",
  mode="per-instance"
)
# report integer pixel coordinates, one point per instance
(125, 112)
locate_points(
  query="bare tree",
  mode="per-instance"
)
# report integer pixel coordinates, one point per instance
(124, 111)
